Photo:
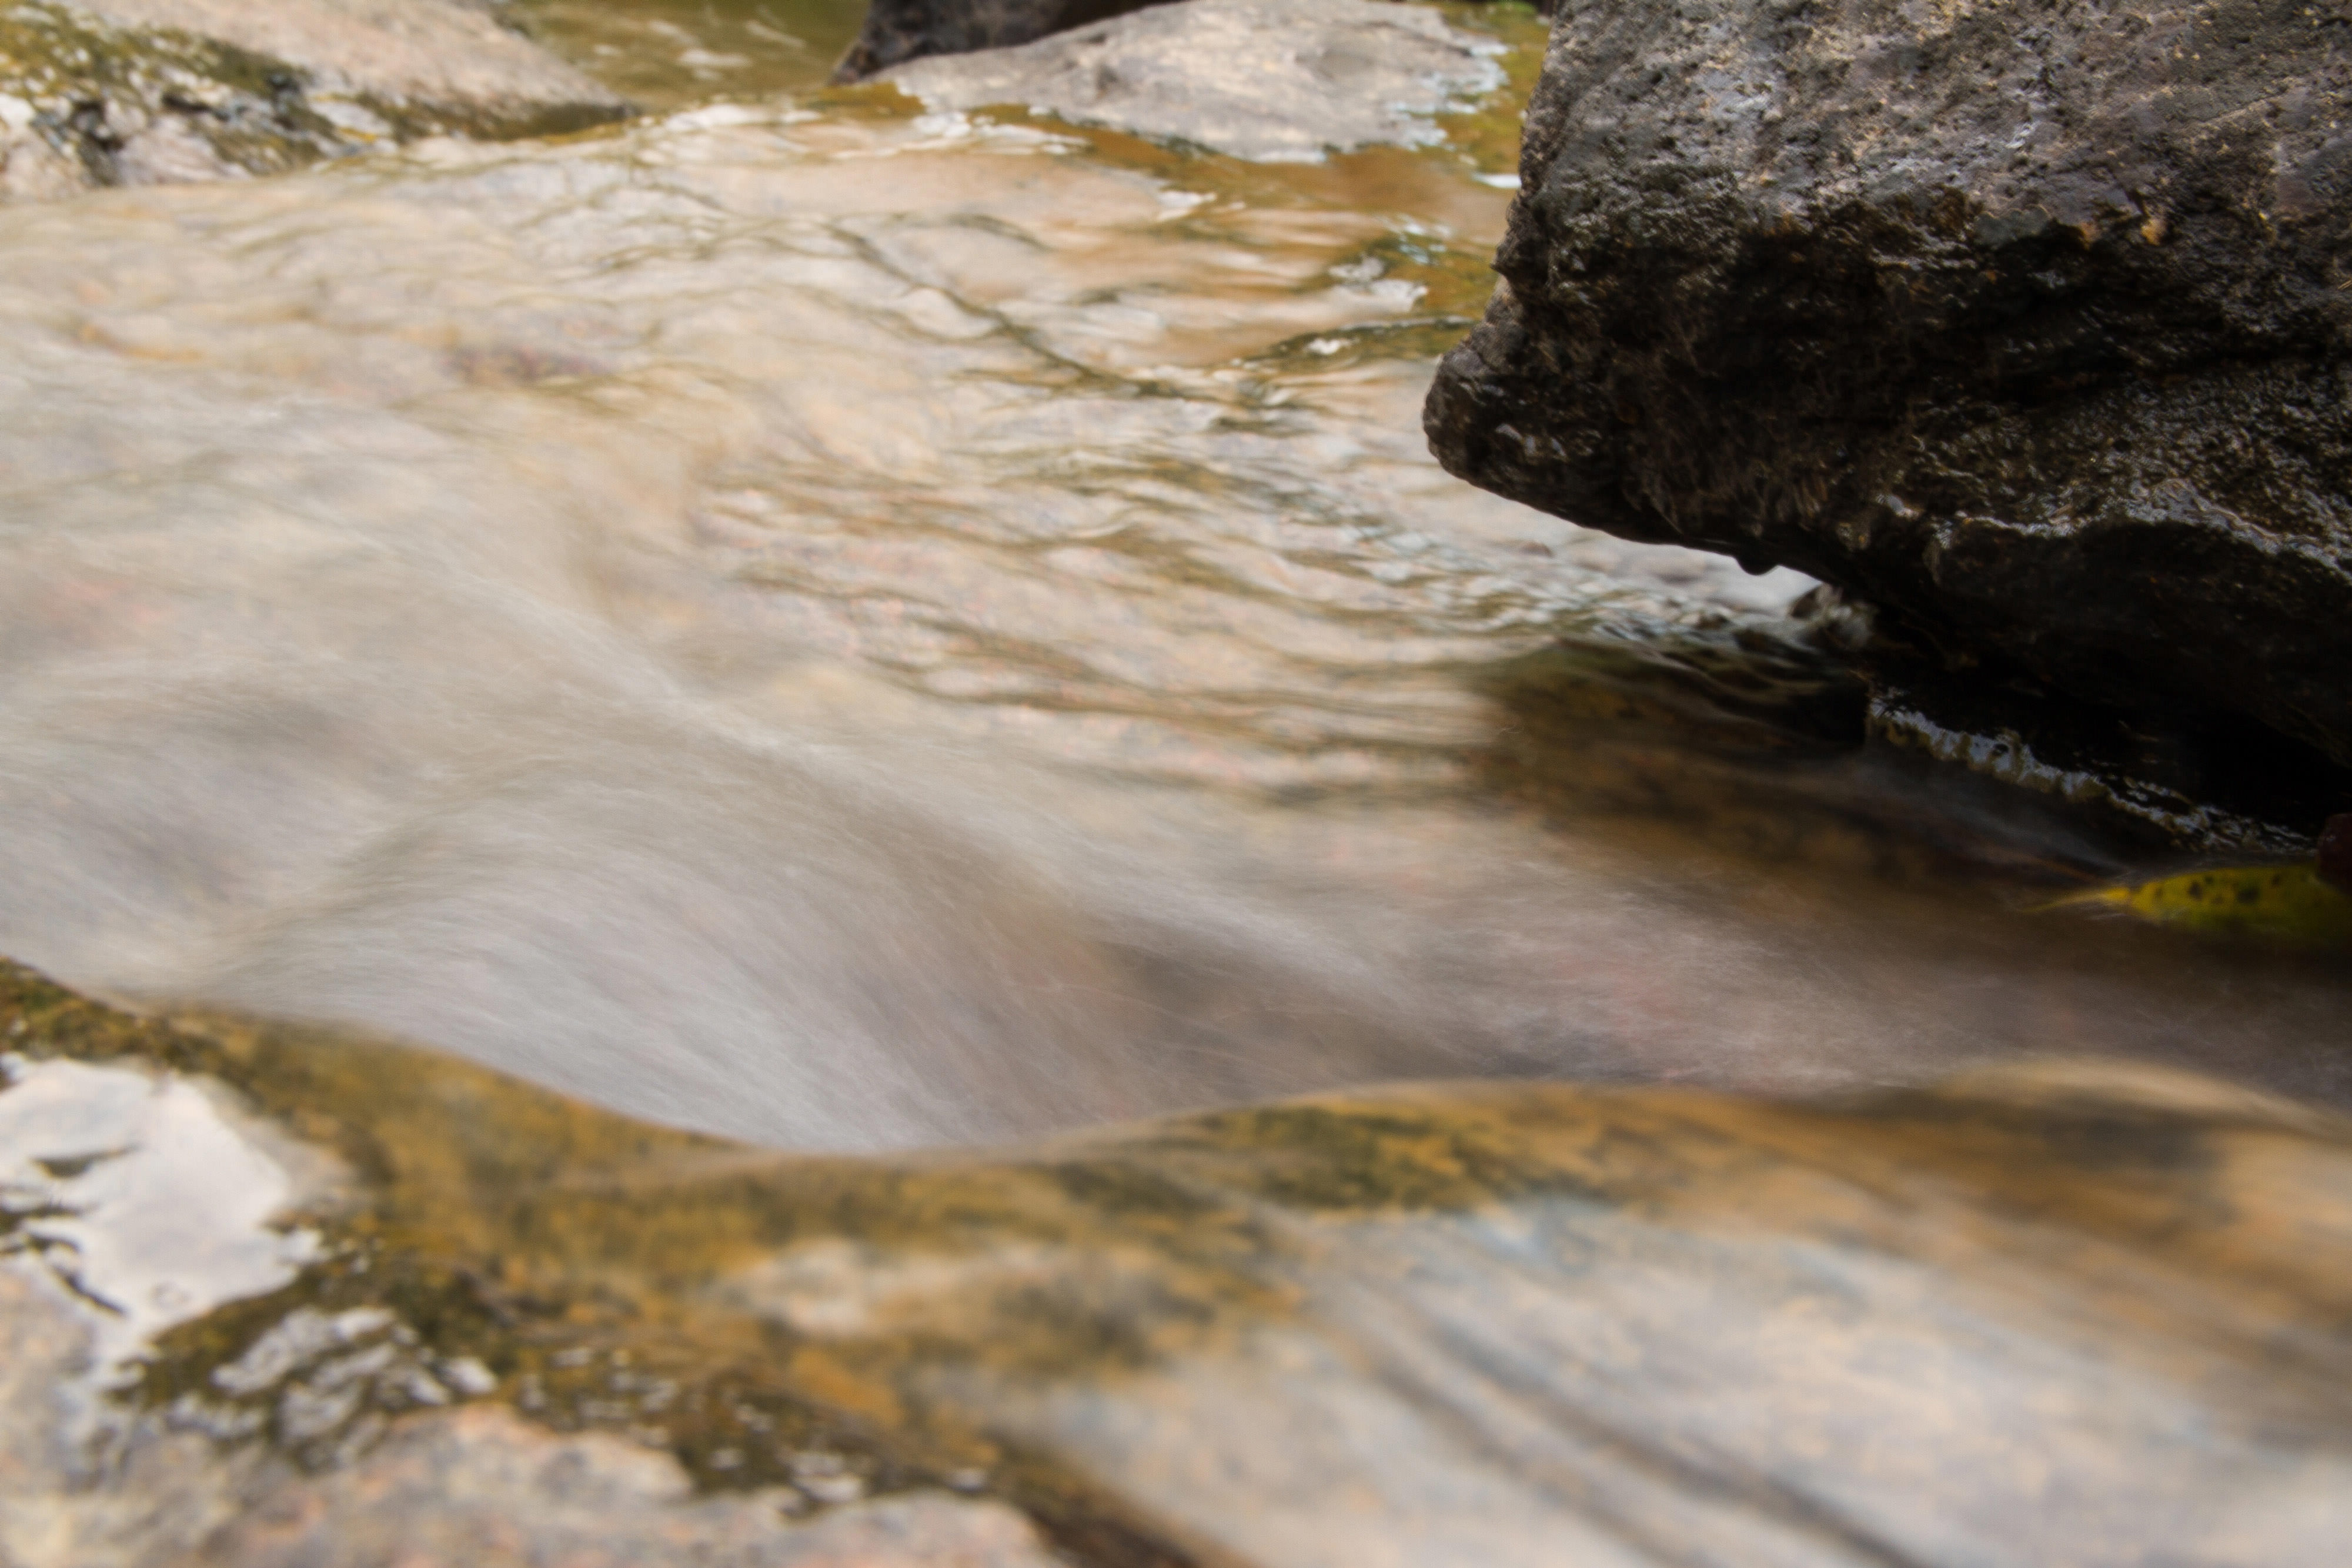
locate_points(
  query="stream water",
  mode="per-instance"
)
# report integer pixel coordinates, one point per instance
(853, 628)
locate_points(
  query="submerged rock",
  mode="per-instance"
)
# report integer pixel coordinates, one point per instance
(2029, 323)
(135, 92)
(2091, 1315)
(1268, 79)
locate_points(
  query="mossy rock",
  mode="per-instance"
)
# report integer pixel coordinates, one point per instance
(2083, 1314)
(158, 91)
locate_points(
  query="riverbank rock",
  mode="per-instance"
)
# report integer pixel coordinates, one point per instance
(133, 92)
(2031, 324)
(1273, 80)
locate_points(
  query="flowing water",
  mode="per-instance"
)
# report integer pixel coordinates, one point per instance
(853, 629)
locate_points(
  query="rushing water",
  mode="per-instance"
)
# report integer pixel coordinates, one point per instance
(850, 628)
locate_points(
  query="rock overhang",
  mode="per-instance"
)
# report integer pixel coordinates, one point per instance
(2025, 321)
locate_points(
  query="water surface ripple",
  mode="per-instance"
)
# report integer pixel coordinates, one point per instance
(850, 630)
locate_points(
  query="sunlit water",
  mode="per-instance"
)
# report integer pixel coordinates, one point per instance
(850, 628)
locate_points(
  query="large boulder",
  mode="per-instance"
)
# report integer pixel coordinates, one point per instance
(133, 92)
(2029, 322)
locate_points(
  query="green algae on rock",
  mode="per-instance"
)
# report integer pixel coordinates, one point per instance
(112, 92)
(2080, 1314)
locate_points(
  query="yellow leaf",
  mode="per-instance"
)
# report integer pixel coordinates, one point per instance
(2280, 902)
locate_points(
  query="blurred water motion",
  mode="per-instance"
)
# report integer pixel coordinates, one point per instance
(852, 629)
(863, 632)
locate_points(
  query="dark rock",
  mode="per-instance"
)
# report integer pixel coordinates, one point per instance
(897, 31)
(2030, 323)
(2250, 791)
(2336, 850)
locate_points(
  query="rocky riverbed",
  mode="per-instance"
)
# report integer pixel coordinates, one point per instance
(786, 824)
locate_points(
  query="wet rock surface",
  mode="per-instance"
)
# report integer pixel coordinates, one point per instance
(475, 1487)
(2025, 321)
(483, 1488)
(141, 92)
(1265, 80)
(2089, 1314)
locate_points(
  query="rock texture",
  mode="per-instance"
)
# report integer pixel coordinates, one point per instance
(2094, 1315)
(2030, 321)
(482, 1489)
(1275, 80)
(135, 92)
(475, 1487)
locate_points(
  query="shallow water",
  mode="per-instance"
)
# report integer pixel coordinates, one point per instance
(668, 54)
(851, 629)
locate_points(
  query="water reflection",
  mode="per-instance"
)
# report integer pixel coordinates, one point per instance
(852, 629)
